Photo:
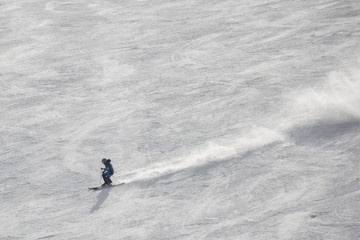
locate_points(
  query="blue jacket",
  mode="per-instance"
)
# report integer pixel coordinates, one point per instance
(108, 170)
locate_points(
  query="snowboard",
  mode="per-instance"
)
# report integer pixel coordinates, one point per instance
(106, 186)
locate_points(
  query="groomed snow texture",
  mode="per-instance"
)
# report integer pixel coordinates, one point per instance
(229, 120)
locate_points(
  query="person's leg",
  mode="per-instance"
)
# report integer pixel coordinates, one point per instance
(106, 179)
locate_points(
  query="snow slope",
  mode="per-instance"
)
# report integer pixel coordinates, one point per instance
(226, 119)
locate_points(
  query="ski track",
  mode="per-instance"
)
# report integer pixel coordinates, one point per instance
(227, 120)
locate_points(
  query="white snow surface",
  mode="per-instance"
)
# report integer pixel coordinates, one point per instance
(231, 119)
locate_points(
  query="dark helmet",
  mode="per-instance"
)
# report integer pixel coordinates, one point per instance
(103, 160)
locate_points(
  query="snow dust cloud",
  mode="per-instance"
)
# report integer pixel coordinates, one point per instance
(213, 151)
(337, 100)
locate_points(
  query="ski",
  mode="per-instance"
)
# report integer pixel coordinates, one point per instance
(106, 186)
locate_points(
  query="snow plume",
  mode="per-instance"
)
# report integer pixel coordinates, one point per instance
(212, 152)
(337, 100)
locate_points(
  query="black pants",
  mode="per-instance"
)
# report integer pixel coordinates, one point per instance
(107, 179)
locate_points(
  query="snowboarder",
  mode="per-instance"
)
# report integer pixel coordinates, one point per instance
(107, 172)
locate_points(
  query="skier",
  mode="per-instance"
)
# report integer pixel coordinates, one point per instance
(108, 171)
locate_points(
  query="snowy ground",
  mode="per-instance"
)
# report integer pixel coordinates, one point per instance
(232, 119)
